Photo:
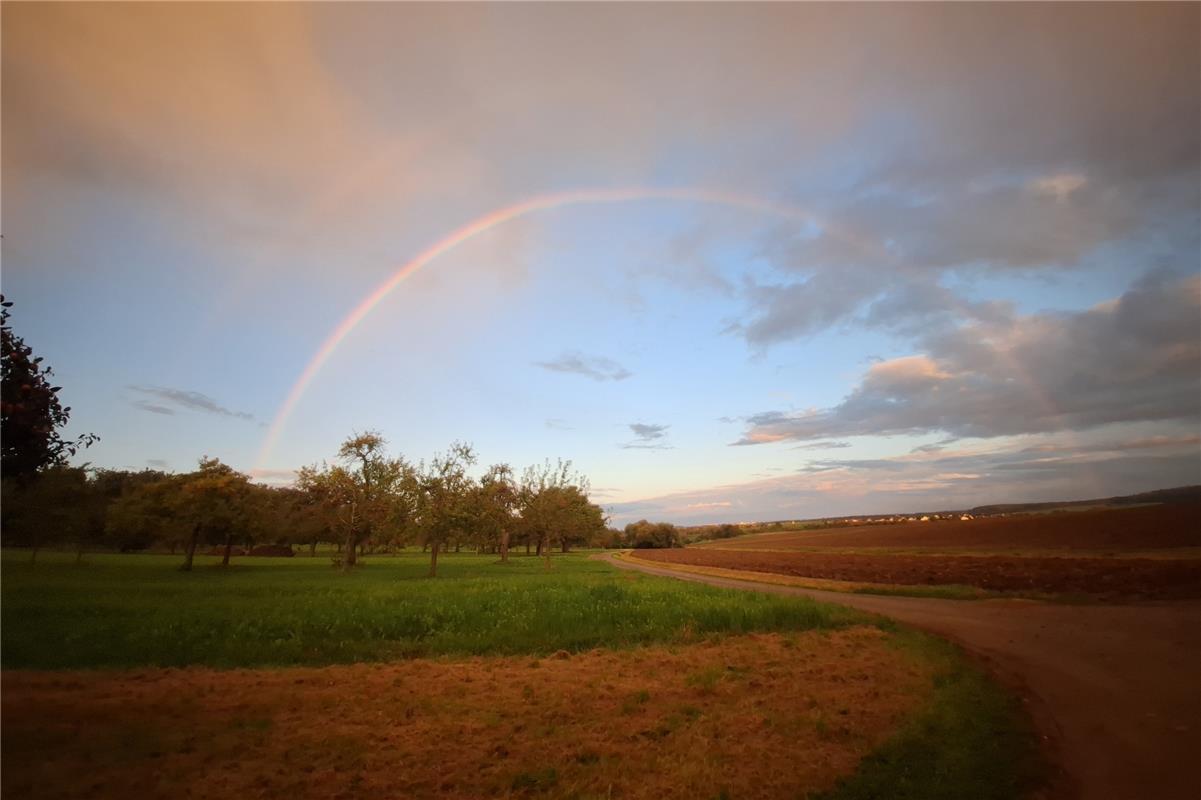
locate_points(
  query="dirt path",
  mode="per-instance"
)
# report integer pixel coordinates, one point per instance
(1116, 689)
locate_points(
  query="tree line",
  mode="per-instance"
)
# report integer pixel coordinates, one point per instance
(367, 501)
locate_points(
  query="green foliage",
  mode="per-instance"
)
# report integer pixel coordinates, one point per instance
(645, 535)
(135, 610)
(971, 740)
(30, 411)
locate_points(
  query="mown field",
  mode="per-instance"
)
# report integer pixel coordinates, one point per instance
(1151, 552)
(283, 676)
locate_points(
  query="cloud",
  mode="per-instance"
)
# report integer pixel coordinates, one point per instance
(1040, 467)
(557, 424)
(153, 408)
(598, 368)
(648, 432)
(649, 437)
(181, 398)
(274, 477)
(156, 463)
(1135, 359)
(822, 446)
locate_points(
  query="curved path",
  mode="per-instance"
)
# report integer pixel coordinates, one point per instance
(1116, 690)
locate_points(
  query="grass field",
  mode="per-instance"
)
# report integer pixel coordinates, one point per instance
(139, 610)
(578, 681)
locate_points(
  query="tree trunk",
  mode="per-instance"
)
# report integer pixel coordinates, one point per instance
(313, 549)
(173, 546)
(229, 543)
(434, 560)
(564, 545)
(79, 554)
(457, 546)
(527, 547)
(192, 542)
(348, 553)
(504, 546)
(539, 551)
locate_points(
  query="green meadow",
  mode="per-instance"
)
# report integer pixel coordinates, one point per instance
(140, 610)
(114, 611)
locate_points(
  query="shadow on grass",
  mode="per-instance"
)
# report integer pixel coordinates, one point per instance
(971, 740)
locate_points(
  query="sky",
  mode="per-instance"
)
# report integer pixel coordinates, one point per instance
(734, 262)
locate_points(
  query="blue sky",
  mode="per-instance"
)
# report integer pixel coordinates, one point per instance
(994, 296)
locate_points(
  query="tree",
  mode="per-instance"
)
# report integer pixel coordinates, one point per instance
(554, 506)
(643, 534)
(30, 411)
(360, 498)
(442, 508)
(50, 510)
(494, 509)
(143, 515)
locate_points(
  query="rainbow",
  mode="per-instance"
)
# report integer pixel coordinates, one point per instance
(500, 216)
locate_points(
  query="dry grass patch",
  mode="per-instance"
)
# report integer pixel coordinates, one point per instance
(761, 715)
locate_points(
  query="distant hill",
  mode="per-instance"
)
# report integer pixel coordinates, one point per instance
(1180, 494)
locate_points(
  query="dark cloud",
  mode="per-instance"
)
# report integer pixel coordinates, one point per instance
(649, 437)
(182, 398)
(598, 368)
(156, 463)
(153, 408)
(1135, 359)
(648, 432)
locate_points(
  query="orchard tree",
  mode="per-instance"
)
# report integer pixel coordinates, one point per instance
(361, 497)
(31, 413)
(51, 510)
(494, 509)
(443, 510)
(554, 505)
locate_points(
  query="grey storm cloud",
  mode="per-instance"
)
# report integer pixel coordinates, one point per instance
(598, 368)
(1134, 359)
(166, 400)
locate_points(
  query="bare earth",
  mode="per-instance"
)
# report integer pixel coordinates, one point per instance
(1115, 689)
(1106, 578)
(1106, 531)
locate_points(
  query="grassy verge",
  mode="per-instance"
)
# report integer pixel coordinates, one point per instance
(139, 610)
(972, 739)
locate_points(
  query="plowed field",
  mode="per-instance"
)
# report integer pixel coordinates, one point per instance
(1105, 578)
(1099, 532)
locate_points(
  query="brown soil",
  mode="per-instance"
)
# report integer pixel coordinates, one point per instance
(764, 715)
(1104, 578)
(1113, 688)
(1122, 529)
